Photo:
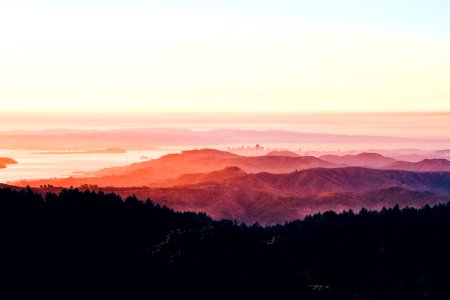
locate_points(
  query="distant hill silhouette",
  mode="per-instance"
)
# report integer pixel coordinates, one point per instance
(426, 165)
(140, 138)
(283, 153)
(353, 179)
(212, 177)
(371, 160)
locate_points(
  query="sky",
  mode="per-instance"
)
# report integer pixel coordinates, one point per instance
(225, 56)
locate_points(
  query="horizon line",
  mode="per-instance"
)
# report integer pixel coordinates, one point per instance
(90, 112)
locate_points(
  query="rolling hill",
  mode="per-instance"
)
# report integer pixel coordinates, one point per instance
(266, 208)
(426, 165)
(275, 198)
(283, 153)
(156, 172)
(370, 160)
(265, 189)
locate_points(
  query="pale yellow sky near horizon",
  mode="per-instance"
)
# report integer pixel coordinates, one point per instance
(129, 60)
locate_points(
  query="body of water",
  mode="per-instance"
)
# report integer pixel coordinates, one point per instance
(32, 165)
(38, 164)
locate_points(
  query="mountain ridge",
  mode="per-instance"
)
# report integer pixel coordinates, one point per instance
(139, 138)
(365, 159)
(270, 198)
(157, 171)
(425, 165)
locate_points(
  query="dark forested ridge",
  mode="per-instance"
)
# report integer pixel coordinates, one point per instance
(90, 245)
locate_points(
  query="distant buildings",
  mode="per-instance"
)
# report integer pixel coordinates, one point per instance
(248, 148)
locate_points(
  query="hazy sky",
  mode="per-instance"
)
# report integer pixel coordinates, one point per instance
(234, 55)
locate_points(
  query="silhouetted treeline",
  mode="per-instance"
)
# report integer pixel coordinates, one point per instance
(90, 245)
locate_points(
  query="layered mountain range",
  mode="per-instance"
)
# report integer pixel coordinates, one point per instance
(151, 137)
(272, 188)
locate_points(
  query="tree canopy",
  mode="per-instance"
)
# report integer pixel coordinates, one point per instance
(94, 245)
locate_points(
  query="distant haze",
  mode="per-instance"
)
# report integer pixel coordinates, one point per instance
(427, 126)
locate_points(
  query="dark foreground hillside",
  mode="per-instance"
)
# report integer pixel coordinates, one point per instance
(89, 245)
